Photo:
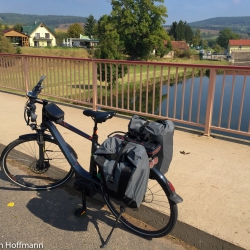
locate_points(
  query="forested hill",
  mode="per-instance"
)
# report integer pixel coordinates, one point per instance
(240, 24)
(50, 20)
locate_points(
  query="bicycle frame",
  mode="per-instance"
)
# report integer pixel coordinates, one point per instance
(46, 124)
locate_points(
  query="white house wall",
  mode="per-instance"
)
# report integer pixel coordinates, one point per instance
(42, 43)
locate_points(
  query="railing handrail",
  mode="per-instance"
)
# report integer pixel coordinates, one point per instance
(128, 62)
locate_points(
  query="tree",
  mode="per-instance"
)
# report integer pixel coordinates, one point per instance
(197, 37)
(172, 31)
(224, 36)
(60, 35)
(5, 45)
(17, 27)
(6, 26)
(90, 26)
(189, 35)
(181, 32)
(217, 48)
(139, 24)
(75, 30)
(109, 48)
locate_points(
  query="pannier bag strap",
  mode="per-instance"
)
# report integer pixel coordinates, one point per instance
(111, 178)
(143, 126)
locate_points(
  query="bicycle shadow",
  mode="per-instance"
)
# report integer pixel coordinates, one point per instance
(56, 207)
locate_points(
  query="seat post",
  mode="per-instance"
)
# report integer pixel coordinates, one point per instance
(93, 170)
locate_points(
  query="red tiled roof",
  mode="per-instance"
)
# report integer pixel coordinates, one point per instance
(178, 44)
(5, 31)
(241, 42)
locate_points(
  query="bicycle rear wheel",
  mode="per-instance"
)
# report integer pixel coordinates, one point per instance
(20, 164)
(156, 216)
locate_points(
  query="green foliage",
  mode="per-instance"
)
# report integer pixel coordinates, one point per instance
(75, 30)
(163, 50)
(18, 50)
(5, 45)
(90, 26)
(181, 32)
(204, 43)
(197, 37)
(60, 36)
(18, 27)
(110, 48)
(211, 43)
(224, 36)
(182, 53)
(139, 24)
(217, 48)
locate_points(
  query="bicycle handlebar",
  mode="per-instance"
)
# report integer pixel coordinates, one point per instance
(37, 89)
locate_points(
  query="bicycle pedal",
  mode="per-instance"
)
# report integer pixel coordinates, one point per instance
(80, 212)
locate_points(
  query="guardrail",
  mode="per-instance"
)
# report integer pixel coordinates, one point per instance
(207, 97)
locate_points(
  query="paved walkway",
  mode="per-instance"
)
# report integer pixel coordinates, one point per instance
(213, 178)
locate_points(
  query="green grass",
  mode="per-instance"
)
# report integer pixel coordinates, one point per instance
(56, 51)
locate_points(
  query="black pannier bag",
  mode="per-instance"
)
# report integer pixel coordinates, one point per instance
(124, 167)
(161, 131)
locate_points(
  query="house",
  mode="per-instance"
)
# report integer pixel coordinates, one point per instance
(40, 35)
(241, 44)
(17, 38)
(82, 41)
(180, 45)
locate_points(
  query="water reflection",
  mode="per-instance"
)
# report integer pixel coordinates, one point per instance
(170, 102)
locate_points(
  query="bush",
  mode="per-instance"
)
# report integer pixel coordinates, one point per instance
(18, 50)
(182, 53)
(5, 45)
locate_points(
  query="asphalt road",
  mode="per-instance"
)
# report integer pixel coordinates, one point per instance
(46, 220)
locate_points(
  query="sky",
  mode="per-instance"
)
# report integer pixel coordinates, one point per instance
(189, 11)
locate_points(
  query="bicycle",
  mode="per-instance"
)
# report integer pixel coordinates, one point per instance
(43, 160)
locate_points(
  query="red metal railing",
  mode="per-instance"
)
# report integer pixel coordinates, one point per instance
(208, 97)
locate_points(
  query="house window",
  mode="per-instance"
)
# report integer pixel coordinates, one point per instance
(47, 35)
(37, 35)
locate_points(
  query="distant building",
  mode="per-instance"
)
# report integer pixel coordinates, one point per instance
(40, 35)
(16, 38)
(82, 41)
(241, 44)
(181, 45)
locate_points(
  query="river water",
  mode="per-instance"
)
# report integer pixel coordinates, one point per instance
(229, 88)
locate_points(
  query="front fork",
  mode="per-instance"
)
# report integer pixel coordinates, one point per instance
(41, 145)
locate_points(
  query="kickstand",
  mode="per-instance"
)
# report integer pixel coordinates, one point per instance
(81, 211)
(122, 210)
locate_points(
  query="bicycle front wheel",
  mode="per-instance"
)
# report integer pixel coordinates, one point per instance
(20, 163)
(156, 216)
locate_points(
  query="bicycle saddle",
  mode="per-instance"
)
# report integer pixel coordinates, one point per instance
(99, 116)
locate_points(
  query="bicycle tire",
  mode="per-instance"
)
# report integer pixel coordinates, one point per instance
(19, 163)
(156, 216)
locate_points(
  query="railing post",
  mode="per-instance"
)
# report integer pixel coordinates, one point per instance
(94, 84)
(210, 102)
(25, 70)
